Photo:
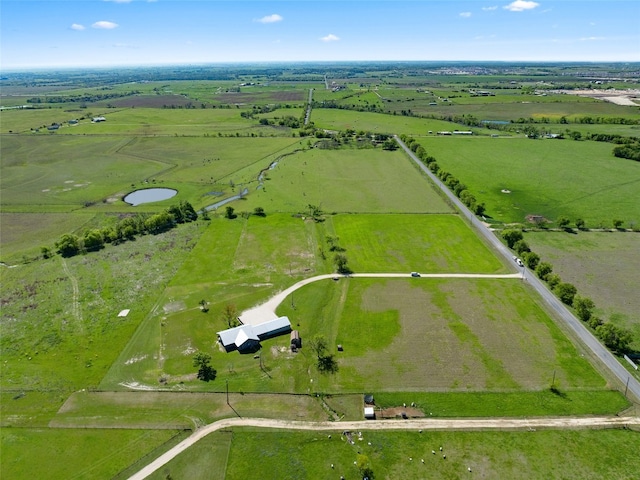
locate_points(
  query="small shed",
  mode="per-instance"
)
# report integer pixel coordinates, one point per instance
(296, 341)
(369, 412)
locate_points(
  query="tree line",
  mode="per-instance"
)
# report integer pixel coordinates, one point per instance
(127, 228)
(455, 185)
(615, 338)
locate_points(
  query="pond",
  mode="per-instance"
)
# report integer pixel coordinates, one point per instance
(149, 195)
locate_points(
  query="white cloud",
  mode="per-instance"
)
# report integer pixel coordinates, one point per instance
(489, 9)
(465, 14)
(592, 39)
(521, 6)
(271, 18)
(330, 38)
(118, 1)
(105, 25)
(77, 26)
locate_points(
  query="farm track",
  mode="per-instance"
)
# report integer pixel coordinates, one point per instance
(431, 424)
(75, 300)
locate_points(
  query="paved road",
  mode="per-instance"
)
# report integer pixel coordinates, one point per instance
(267, 311)
(626, 381)
(432, 424)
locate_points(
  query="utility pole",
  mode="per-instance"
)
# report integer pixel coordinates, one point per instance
(227, 382)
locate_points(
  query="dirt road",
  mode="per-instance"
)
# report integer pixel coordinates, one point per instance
(420, 424)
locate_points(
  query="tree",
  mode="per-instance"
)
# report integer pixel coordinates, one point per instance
(229, 213)
(617, 223)
(230, 314)
(326, 362)
(68, 245)
(553, 280)
(206, 372)
(46, 252)
(531, 259)
(579, 223)
(563, 221)
(390, 144)
(584, 307)
(364, 465)
(92, 240)
(615, 338)
(565, 292)
(511, 236)
(521, 247)
(259, 212)
(543, 270)
(340, 261)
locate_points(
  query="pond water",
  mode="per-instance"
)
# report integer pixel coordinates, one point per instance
(149, 195)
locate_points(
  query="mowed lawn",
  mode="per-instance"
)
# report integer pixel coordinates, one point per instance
(544, 177)
(604, 266)
(449, 334)
(346, 180)
(406, 243)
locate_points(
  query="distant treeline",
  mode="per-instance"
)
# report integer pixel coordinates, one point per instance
(96, 97)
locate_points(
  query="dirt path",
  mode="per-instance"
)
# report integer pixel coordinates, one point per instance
(75, 300)
(267, 311)
(432, 424)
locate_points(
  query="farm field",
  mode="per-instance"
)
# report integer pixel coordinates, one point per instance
(602, 265)
(91, 392)
(78, 453)
(543, 177)
(346, 180)
(531, 455)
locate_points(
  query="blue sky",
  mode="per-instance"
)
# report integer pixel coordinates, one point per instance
(69, 33)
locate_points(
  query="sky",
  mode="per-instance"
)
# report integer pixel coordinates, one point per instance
(103, 33)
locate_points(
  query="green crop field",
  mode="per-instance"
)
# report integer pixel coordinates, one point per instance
(602, 265)
(542, 177)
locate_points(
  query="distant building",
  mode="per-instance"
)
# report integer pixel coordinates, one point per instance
(246, 338)
(98, 119)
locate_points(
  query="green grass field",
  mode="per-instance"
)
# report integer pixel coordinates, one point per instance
(544, 177)
(346, 180)
(78, 453)
(602, 265)
(405, 243)
(530, 455)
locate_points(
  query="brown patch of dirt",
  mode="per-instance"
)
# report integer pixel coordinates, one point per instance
(396, 412)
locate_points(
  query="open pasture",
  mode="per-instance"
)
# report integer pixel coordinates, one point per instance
(346, 180)
(576, 454)
(25, 233)
(78, 453)
(336, 119)
(602, 265)
(405, 243)
(60, 325)
(543, 177)
(175, 122)
(450, 334)
(65, 172)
